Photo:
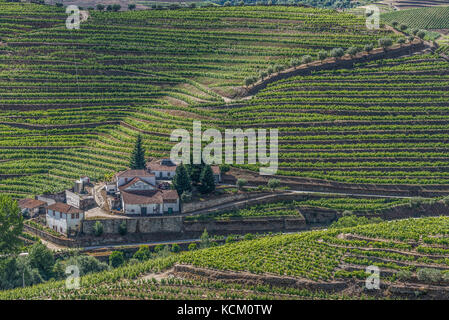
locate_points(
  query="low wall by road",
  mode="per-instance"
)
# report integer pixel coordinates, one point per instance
(195, 206)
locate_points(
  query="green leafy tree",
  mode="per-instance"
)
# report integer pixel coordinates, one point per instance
(194, 170)
(224, 168)
(368, 47)
(100, 7)
(116, 7)
(41, 258)
(159, 248)
(116, 259)
(207, 180)
(352, 51)
(142, 254)
(193, 246)
(241, 183)
(274, 183)
(175, 248)
(306, 59)
(98, 228)
(186, 196)
(385, 42)
(11, 225)
(322, 54)
(86, 264)
(205, 240)
(131, 6)
(138, 155)
(16, 272)
(337, 52)
(122, 228)
(181, 180)
(421, 34)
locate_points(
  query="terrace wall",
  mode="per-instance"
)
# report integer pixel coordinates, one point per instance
(344, 62)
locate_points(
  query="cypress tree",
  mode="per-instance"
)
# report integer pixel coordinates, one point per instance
(138, 155)
(207, 180)
(181, 180)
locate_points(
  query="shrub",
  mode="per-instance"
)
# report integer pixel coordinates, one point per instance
(249, 81)
(394, 23)
(133, 261)
(249, 236)
(175, 248)
(131, 6)
(225, 168)
(263, 74)
(401, 40)
(429, 275)
(337, 52)
(421, 34)
(278, 68)
(368, 47)
(122, 229)
(306, 59)
(231, 238)
(142, 254)
(322, 55)
(116, 7)
(274, 183)
(98, 228)
(116, 259)
(352, 221)
(241, 183)
(404, 275)
(416, 201)
(295, 62)
(186, 196)
(158, 247)
(192, 246)
(385, 42)
(352, 51)
(205, 240)
(414, 31)
(402, 27)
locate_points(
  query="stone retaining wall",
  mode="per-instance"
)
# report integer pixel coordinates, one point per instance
(344, 62)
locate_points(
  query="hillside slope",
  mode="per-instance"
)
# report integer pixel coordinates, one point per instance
(72, 102)
(314, 264)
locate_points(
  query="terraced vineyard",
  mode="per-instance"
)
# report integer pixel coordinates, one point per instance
(72, 102)
(382, 122)
(424, 18)
(293, 208)
(314, 264)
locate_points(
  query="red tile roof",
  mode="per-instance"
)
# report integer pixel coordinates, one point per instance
(133, 181)
(63, 208)
(28, 203)
(149, 196)
(156, 165)
(134, 173)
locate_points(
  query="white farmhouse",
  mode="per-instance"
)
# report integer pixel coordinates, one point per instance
(64, 218)
(162, 169)
(32, 207)
(126, 176)
(138, 197)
